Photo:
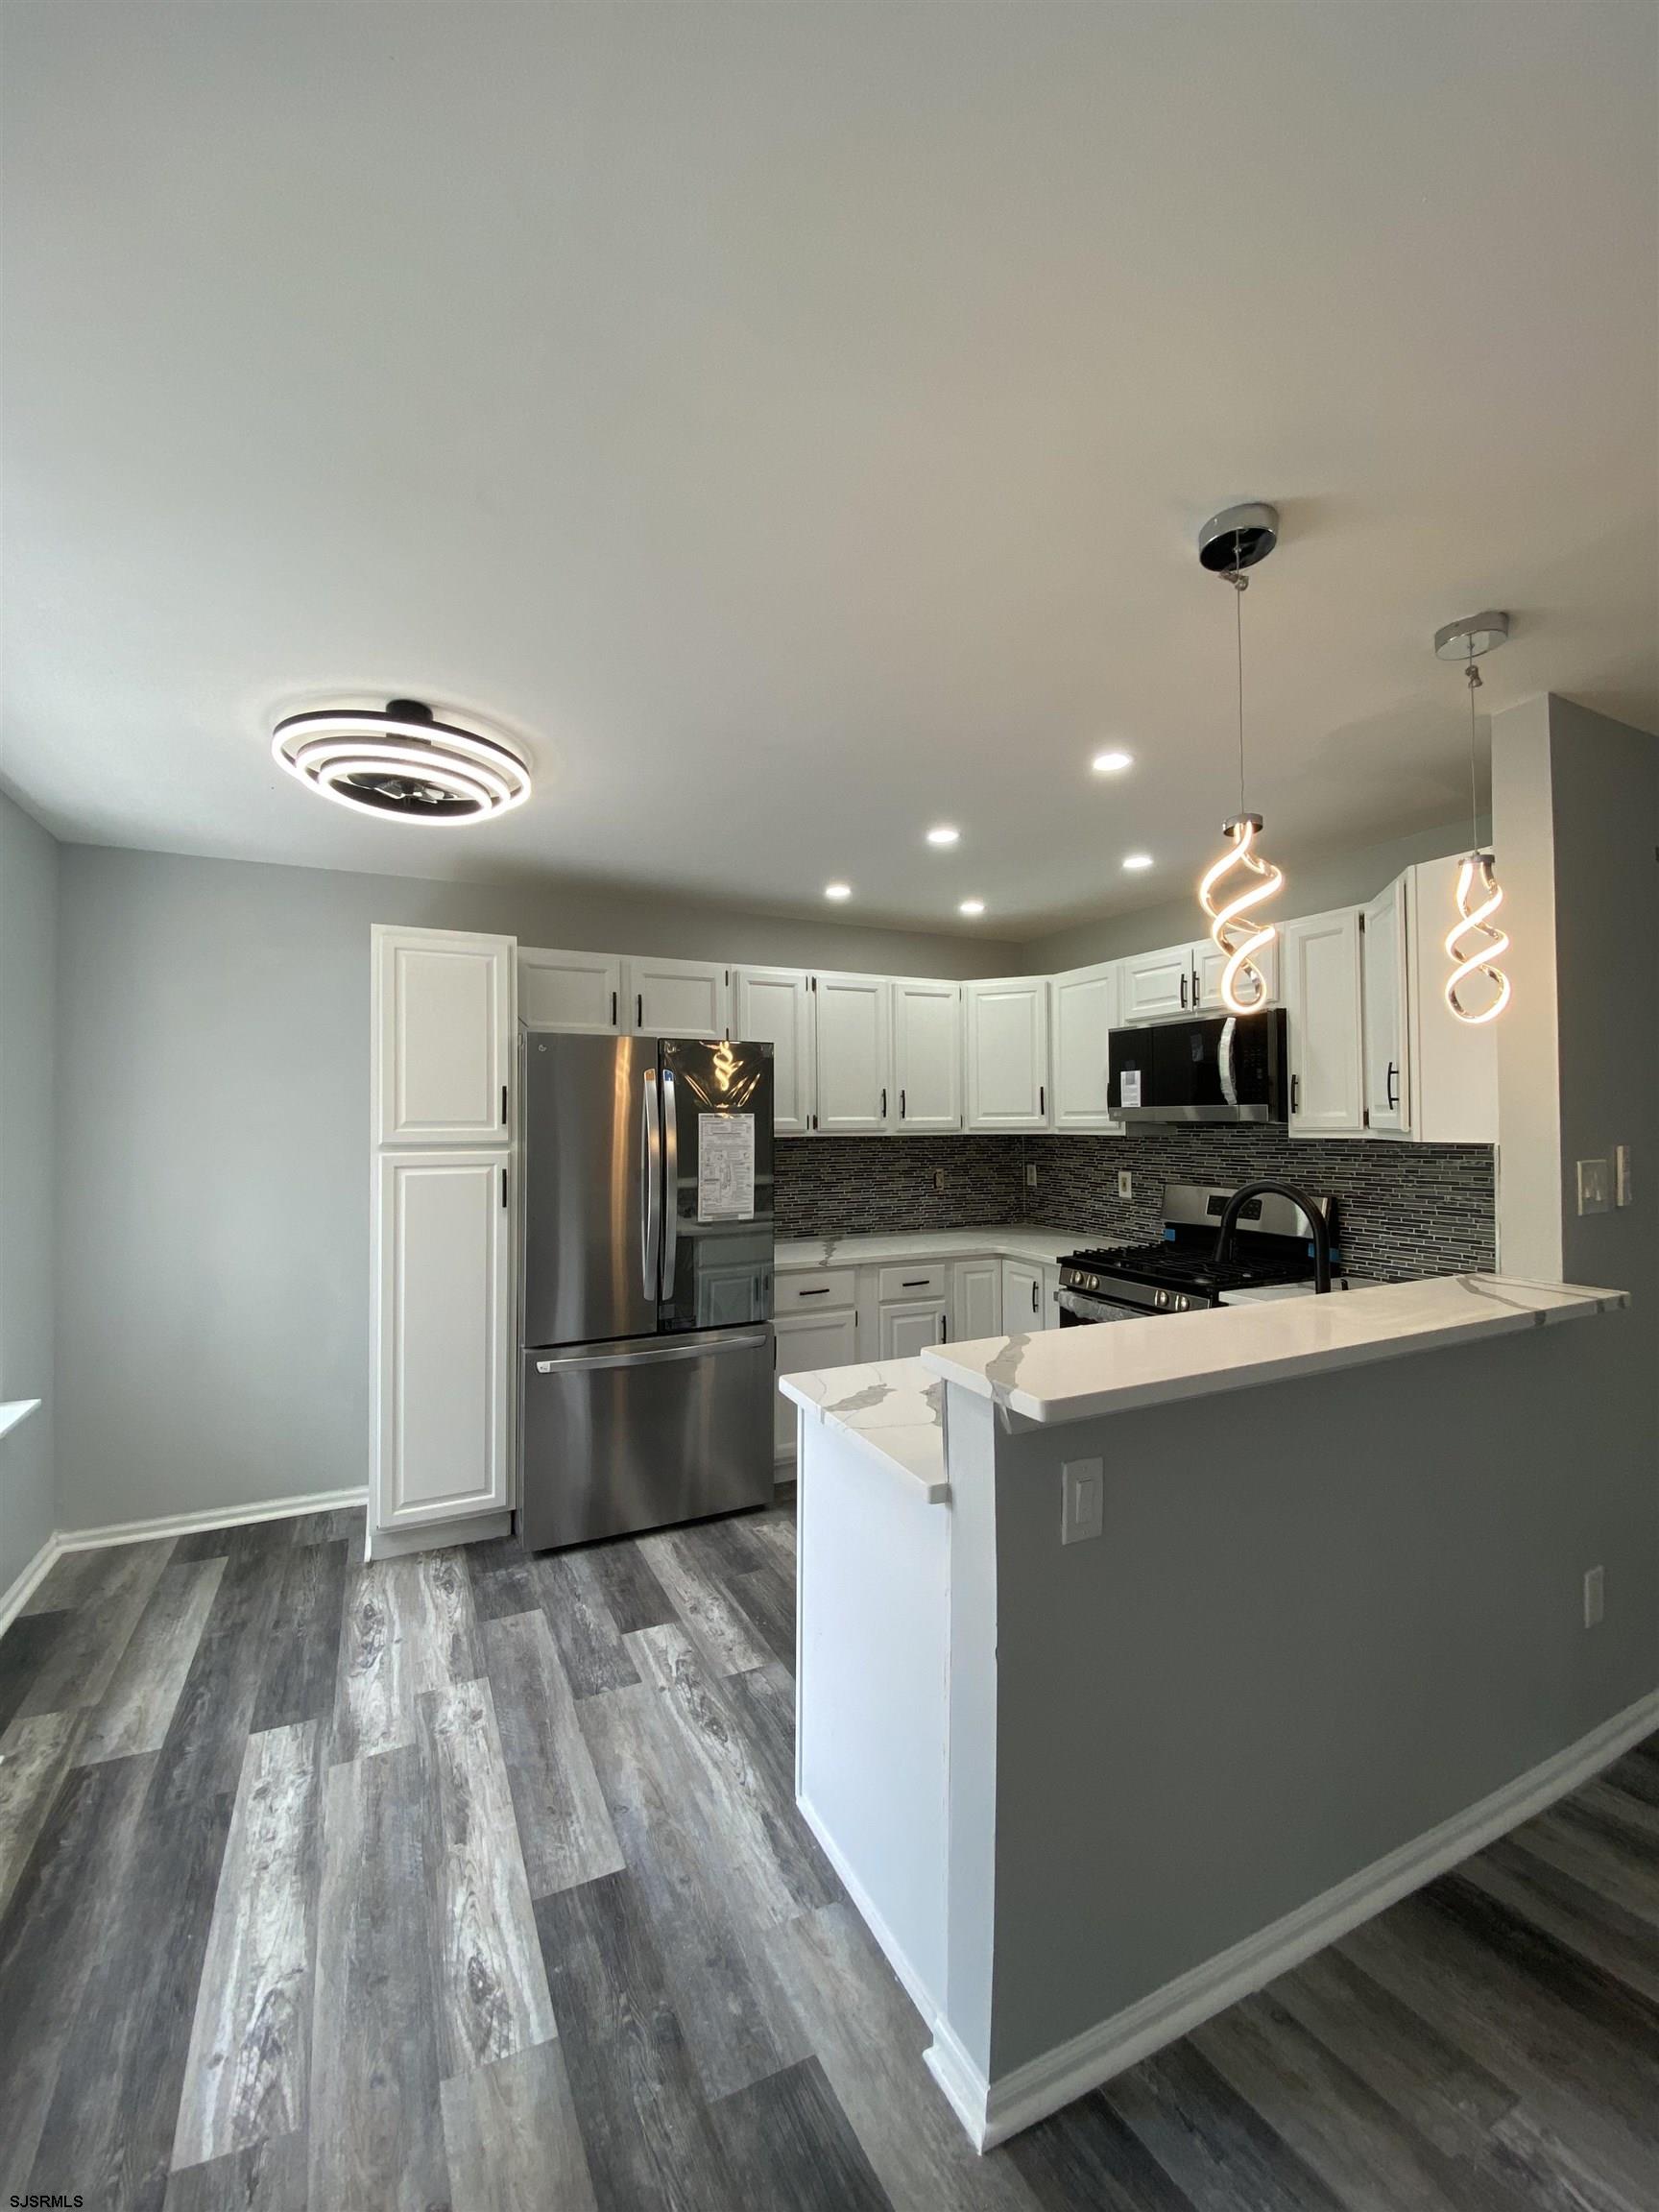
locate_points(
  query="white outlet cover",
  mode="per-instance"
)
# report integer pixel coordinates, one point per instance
(1082, 1500)
(1595, 1596)
(1594, 1196)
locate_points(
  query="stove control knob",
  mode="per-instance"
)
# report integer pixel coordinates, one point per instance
(1161, 1299)
(1093, 1281)
(1182, 1304)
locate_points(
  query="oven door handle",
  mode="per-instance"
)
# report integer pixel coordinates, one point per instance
(1085, 1308)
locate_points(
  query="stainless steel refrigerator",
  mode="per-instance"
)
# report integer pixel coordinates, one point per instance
(646, 1284)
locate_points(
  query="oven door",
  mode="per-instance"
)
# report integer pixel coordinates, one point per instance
(1078, 1308)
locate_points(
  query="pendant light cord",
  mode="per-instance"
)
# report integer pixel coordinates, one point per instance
(1474, 788)
(1240, 582)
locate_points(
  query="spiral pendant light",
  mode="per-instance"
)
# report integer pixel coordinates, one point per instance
(1477, 989)
(1242, 880)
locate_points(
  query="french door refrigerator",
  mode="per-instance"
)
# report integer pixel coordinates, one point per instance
(646, 1284)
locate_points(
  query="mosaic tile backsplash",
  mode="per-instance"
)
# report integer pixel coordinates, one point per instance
(1403, 1210)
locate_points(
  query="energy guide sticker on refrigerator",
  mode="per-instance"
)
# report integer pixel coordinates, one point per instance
(725, 1167)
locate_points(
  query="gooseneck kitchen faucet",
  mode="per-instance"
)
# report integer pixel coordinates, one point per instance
(1310, 1207)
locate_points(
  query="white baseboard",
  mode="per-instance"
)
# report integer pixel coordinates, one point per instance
(992, 2111)
(64, 1540)
(915, 1989)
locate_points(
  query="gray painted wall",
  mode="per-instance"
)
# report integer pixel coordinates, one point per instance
(29, 861)
(1325, 1616)
(213, 1312)
(1342, 879)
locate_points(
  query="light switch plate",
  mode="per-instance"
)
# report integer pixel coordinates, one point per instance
(1126, 1182)
(1082, 1500)
(1595, 1596)
(1593, 1193)
(1623, 1176)
(1031, 1175)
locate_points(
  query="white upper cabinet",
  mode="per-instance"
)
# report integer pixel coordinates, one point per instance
(443, 1326)
(1085, 1013)
(1453, 1066)
(1207, 962)
(577, 990)
(1008, 1053)
(854, 1026)
(774, 1006)
(1156, 983)
(676, 997)
(443, 1023)
(1322, 1000)
(927, 1055)
(1388, 1072)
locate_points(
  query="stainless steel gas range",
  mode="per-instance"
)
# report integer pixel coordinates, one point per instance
(1180, 1273)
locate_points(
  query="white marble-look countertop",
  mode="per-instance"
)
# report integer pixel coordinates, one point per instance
(893, 1405)
(1073, 1374)
(1014, 1240)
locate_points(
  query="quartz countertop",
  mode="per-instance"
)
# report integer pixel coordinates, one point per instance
(1073, 1374)
(893, 1406)
(1012, 1241)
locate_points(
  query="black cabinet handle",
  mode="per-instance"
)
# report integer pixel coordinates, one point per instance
(1034, 1294)
(639, 1009)
(921, 1283)
(883, 1101)
(613, 1009)
(901, 1105)
(503, 1185)
(1393, 1099)
(503, 1105)
(1295, 1093)
(1183, 990)
(1041, 1100)
(822, 1291)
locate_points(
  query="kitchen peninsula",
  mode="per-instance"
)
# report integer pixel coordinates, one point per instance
(1136, 1663)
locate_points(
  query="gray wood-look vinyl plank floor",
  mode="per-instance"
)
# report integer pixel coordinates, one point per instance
(476, 1881)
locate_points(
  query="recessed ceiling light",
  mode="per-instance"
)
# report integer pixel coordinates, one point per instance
(972, 906)
(944, 834)
(1111, 763)
(837, 890)
(399, 762)
(1137, 860)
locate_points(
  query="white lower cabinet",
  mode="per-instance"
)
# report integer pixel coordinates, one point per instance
(581, 991)
(1021, 1298)
(975, 1300)
(1322, 1000)
(443, 1324)
(809, 1340)
(911, 1326)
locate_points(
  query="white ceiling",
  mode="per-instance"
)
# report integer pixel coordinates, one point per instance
(795, 420)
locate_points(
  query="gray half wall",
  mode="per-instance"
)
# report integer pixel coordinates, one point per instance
(29, 863)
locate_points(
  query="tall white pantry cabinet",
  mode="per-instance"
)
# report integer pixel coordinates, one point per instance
(444, 1035)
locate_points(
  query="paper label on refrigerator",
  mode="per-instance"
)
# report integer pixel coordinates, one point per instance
(1129, 1087)
(725, 1166)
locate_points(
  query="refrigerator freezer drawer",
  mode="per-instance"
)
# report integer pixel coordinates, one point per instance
(629, 1435)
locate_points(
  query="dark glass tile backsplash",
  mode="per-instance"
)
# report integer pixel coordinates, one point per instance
(1403, 1210)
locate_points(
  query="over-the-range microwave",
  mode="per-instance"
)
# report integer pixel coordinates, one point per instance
(1220, 1068)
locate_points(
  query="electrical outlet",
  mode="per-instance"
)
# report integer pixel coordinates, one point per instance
(1623, 1176)
(1125, 1184)
(1595, 1596)
(1031, 1175)
(938, 1178)
(1592, 1196)
(1082, 1500)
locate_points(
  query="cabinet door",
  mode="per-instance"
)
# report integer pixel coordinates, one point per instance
(442, 1019)
(676, 997)
(975, 1300)
(1009, 1054)
(1085, 1006)
(1454, 1063)
(853, 1037)
(1208, 963)
(443, 1329)
(912, 1327)
(927, 1055)
(1021, 1298)
(576, 991)
(808, 1340)
(1156, 983)
(1322, 1000)
(1383, 949)
(774, 1006)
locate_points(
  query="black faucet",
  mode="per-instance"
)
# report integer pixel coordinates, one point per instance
(1311, 1207)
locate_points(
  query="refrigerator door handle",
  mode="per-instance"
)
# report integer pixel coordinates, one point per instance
(671, 1182)
(649, 1354)
(651, 1171)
